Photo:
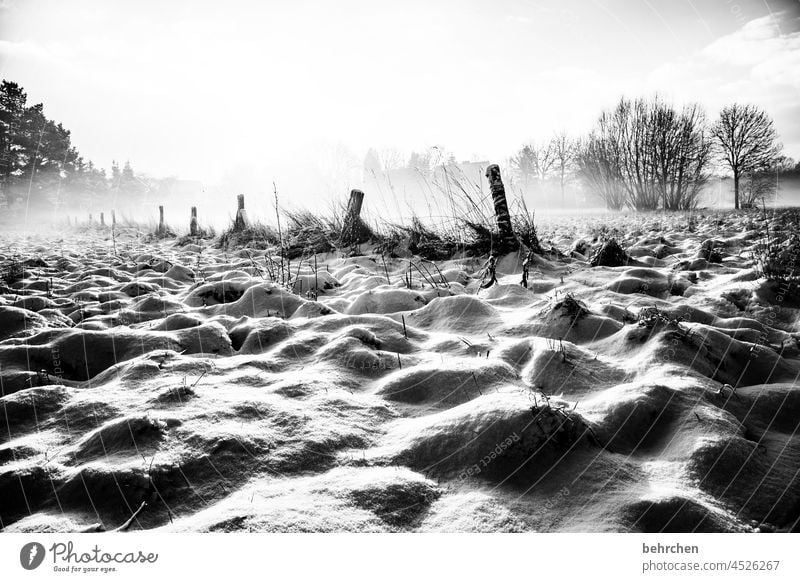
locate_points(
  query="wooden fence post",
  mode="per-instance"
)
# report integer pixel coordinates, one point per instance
(193, 222)
(241, 221)
(508, 242)
(352, 219)
(161, 227)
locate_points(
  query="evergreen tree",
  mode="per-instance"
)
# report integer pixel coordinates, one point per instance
(131, 187)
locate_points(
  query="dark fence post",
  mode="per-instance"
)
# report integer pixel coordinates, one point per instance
(241, 222)
(352, 219)
(161, 227)
(508, 242)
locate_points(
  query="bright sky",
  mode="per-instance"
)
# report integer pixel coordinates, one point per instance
(207, 89)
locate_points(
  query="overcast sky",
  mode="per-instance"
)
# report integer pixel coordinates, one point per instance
(202, 89)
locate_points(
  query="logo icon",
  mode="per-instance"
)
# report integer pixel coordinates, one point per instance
(31, 555)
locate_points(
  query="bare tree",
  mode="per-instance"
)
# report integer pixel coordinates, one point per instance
(682, 152)
(546, 159)
(747, 141)
(598, 158)
(638, 151)
(533, 164)
(646, 154)
(757, 187)
(523, 165)
(391, 159)
(563, 149)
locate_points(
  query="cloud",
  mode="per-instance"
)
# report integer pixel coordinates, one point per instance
(757, 41)
(762, 50)
(759, 63)
(10, 49)
(519, 19)
(768, 47)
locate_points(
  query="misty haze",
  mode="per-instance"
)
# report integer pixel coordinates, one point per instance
(399, 267)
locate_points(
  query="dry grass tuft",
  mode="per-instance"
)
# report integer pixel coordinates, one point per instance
(257, 235)
(610, 254)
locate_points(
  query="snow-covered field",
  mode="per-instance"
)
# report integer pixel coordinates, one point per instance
(660, 395)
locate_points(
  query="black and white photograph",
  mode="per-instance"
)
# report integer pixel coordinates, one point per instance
(377, 267)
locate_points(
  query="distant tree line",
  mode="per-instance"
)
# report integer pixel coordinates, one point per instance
(39, 166)
(645, 154)
(389, 159)
(642, 154)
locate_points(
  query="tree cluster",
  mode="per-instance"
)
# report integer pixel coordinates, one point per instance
(646, 154)
(39, 166)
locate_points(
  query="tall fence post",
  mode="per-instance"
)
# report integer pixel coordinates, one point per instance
(193, 222)
(161, 227)
(508, 242)
(241, 222)
(352, 219)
